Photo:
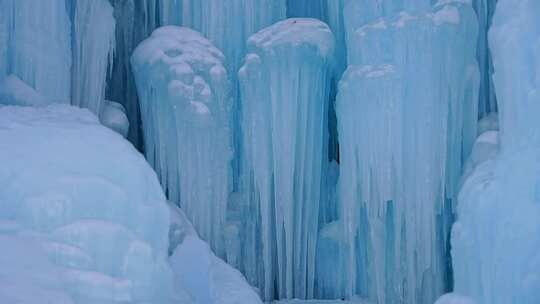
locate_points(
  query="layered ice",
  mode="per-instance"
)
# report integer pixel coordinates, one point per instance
(407, 110)
(93, 47)
(35, 46)
(285, 84)
(83, 217)
(495, 241)
(186, 106)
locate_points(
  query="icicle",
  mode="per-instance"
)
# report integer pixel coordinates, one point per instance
(39, 46)
(285, 83)
(93, 49)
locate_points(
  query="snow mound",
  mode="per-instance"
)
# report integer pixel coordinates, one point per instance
(200, 276)
(84, 217)
(16, 92)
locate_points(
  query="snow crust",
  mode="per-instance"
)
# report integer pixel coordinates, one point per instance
(83, 216)
(202, 277)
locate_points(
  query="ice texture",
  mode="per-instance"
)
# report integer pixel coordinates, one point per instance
(135, 21)
(200, 276)
(186, 106)
(88, 201)
(453, 298)
(496, 239)
(228, 25)
(93, 47)
(38, 36)
(407, 110)
(284, 91)
(487, 102)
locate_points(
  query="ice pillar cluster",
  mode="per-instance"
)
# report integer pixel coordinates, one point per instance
(496, 239)
(185, 103)
(284, 89)
(405, 121)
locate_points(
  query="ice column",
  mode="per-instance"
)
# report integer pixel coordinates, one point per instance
(185, 109)
(39, 45)
(496, 239)
(285, 84)
(406, 112)
(228, 24)
(93, 47)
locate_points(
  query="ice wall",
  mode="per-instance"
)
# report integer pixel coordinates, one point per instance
(82, 217)
(285, 84)
(496, 239)
(38, 45)
(186, 106)
(93, 47)
(406, 112)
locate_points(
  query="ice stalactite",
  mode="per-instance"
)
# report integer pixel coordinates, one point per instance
(93, 48)
(185, 104)
(496, 239)
(405, 124)
(228, 24)
(487, 102)
(135, 21)
(39, 45)
(285, 84)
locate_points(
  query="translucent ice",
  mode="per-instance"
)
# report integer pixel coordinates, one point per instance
(406, 121)
(496, 239)
(93, 47)
(38, 45)
(88, 201)
(15, 92)
(285, 84)
(185, 106)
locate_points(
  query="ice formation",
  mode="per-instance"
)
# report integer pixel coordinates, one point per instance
(83, 217)
(38, 36)
(93, 47)
(135, 21)
(185, 105)
(200, 276)
(406, 121)
(228, 25)
(284, 92)
(496, 239)
(15, 92)
(487, 102)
